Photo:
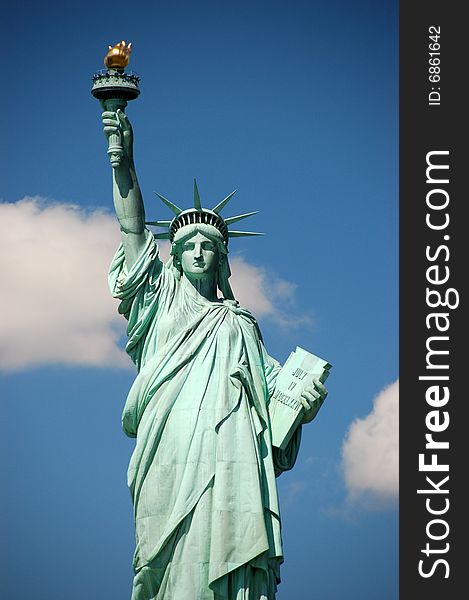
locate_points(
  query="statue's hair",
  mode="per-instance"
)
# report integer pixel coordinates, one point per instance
(212, 233)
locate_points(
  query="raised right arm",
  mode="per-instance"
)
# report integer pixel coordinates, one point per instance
(128, 201)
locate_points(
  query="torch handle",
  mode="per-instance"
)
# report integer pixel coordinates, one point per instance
(115, 149)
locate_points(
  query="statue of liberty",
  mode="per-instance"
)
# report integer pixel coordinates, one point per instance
(202, 474)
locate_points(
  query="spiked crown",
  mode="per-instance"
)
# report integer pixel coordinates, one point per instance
(198, 214)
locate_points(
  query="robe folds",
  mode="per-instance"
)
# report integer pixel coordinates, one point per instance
(202, 474)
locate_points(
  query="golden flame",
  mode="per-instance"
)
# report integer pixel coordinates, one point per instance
(118, 56)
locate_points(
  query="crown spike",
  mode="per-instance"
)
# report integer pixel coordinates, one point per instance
(221, 204)
(158, 223)
(197, 204)
(176, 210)
(242, 233)
(161, 236)
(230, 220)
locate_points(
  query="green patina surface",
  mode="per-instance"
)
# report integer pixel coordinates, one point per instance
(202, 475)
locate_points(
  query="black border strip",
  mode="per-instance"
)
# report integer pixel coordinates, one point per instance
(425, 128)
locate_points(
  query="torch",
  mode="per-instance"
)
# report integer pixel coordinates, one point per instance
(114, 88)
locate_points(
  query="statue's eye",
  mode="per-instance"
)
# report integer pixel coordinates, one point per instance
(188, 246)
(208, 246)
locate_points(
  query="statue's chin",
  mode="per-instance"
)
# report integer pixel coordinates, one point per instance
(198, 273)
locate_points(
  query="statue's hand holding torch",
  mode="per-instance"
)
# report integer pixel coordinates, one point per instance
(118, 130)
(114, 88)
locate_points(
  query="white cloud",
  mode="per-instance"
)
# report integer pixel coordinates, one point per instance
(265, 294)
(56, 307)
(370, 452)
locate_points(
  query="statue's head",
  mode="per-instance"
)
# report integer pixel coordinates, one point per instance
(199, 250)
(199, 239)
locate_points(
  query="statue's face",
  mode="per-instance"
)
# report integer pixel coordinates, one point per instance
(200, 256)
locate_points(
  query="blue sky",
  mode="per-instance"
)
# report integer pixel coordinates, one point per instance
(295, 106)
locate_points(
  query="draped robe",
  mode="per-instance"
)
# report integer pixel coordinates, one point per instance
(202, 474)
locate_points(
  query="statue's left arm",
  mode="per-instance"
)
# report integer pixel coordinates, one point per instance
(312, 399)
